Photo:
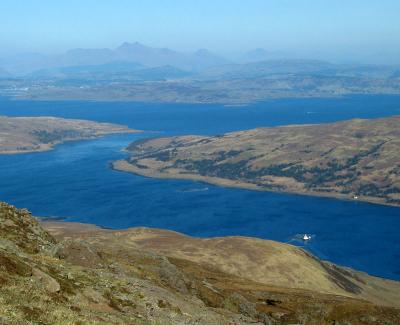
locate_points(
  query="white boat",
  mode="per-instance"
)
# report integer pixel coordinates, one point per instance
(306, 237)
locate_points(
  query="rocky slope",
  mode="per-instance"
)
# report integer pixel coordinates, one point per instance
(350, 159)
(85, 275)
(29, 134)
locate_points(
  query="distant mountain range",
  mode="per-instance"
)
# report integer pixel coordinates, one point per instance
(152, 57)
(138, 62)
(127, 53)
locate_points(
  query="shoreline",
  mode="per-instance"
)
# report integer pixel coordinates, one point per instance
(227, 104)
(124, 166)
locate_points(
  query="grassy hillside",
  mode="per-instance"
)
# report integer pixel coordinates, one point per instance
(85, 275)
(351, 159)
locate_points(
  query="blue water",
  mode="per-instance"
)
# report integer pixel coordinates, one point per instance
(74, 181)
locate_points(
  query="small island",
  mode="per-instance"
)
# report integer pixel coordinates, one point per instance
(34, 134)
(355, 159)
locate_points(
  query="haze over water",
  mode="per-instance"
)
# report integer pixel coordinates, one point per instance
(75, 182)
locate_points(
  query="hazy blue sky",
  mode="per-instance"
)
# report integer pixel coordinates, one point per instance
(352, 29)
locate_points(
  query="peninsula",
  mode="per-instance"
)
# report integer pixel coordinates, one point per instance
(355, 159)
(32, 134)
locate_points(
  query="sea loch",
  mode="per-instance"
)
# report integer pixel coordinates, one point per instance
(75, 181)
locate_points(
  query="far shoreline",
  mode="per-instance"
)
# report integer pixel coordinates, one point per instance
(226, 104)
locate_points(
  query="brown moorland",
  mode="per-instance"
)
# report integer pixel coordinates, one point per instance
(354, 159)
(62, 273)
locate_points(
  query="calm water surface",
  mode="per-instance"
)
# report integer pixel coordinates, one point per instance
(75, 181)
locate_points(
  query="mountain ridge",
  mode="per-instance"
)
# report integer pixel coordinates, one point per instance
(129, 52)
